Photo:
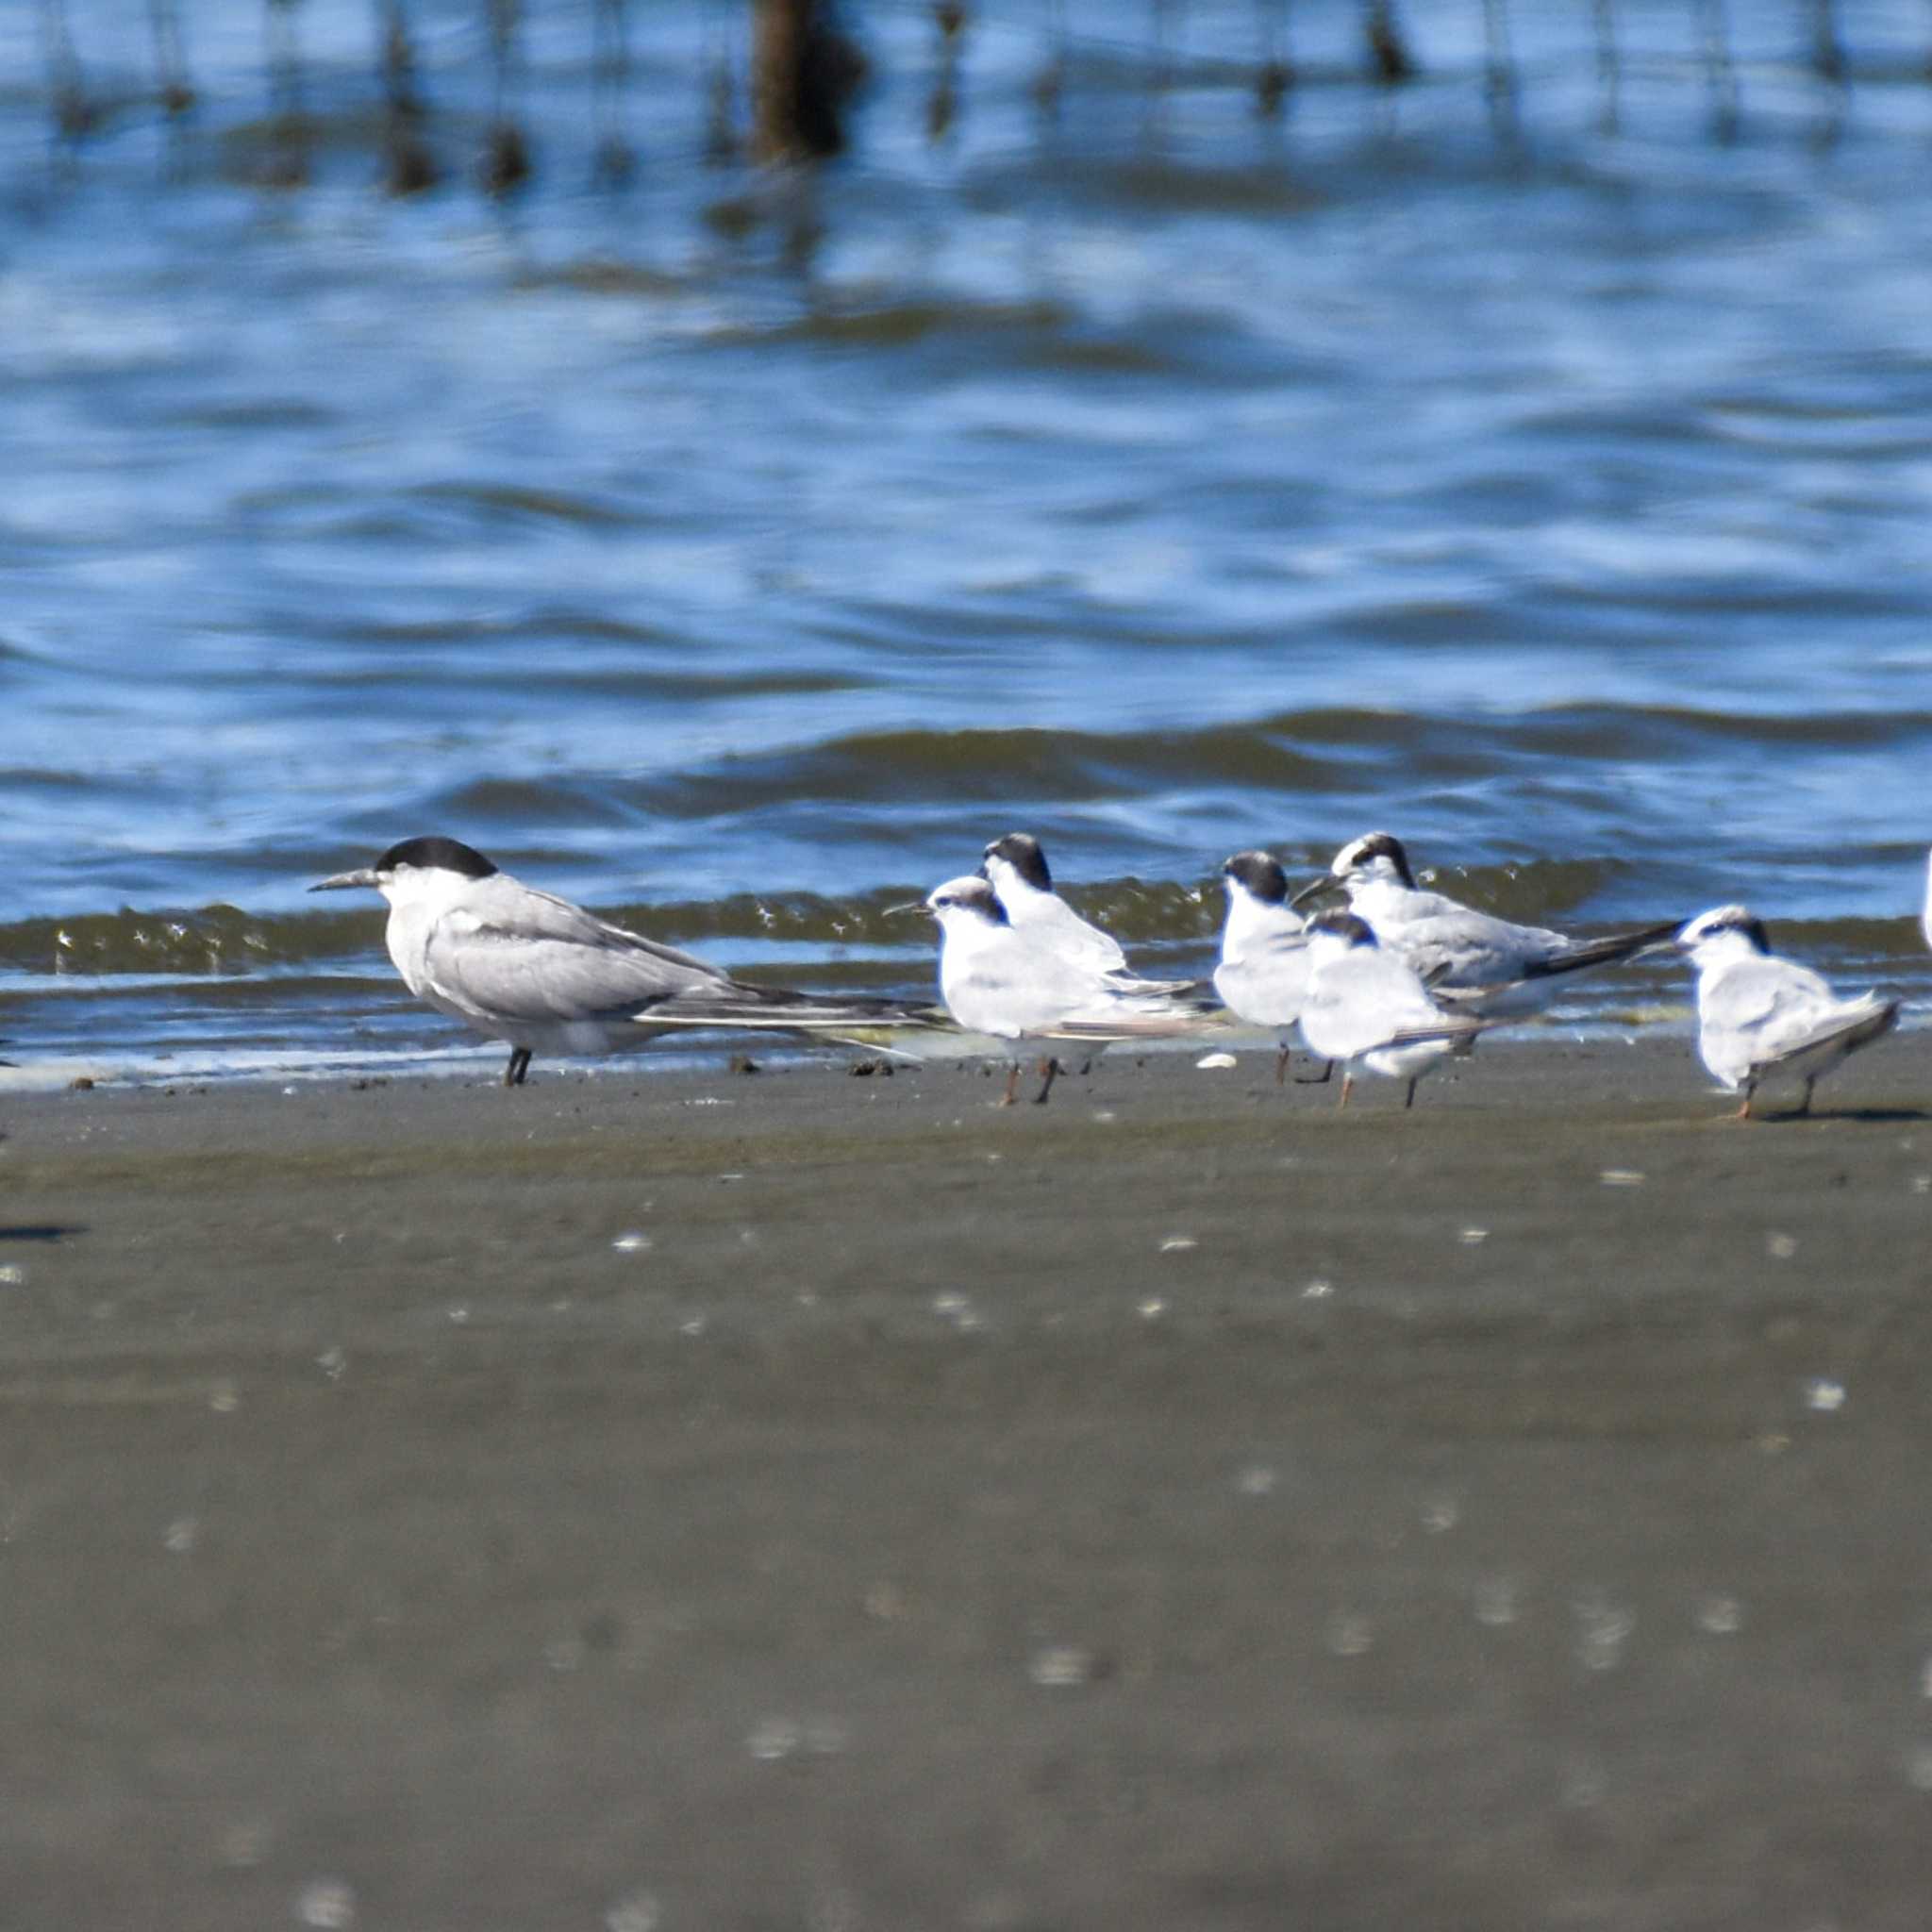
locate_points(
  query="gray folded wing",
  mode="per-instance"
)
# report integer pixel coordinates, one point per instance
(1023, 985)
(1768, 1010)
(1267, 984)
(532, 959)
(1466, 948)
(1369, 1000)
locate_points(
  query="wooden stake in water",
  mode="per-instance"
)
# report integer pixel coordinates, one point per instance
(1720, 75)
(1499, 70)
(1276, 75)
(1390, 60)
(74, 115)
(1162, 27)
(1833, 70)
(1051, 81)
(407, 165)
(943, 107)
(615, 160)
(1160, 62)
(805, 70)
(1609, 72)
(507, 154)
(1827, 50)
(287, 165)
(172, 84)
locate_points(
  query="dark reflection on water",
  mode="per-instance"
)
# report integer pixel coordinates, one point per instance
(744, 552)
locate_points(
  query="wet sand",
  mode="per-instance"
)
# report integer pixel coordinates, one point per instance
(668, 1501)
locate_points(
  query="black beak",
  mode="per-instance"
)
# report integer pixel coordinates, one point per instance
(1315, 888)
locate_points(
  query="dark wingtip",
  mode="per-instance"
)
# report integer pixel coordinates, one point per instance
(1609, 952)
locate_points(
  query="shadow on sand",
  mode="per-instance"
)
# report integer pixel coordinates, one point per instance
(1876, 1116)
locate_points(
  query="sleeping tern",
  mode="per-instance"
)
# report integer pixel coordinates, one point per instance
(1469, 959)
(1761, 1016)
(1263, 974)
(524, 966)
(1016, 868)
(999, 978)
(1365, 1006)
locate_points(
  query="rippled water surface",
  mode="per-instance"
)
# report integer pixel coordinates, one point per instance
(740, 553)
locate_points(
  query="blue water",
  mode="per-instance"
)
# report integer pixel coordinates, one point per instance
(740, 553)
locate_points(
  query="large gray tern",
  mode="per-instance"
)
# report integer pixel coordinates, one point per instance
(524, 966)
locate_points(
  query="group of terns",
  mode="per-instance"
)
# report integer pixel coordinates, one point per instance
(1390, 981)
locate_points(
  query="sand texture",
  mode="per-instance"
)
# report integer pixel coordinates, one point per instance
(664, 1501)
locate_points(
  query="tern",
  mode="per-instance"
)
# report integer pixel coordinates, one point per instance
(1016, 868)
(1263, 974)
(524, 966)
(1366, 1006)
(1760, 1016)
(998, 978)
(1469, 959)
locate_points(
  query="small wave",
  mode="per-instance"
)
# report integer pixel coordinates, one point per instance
(214, 941)
(522, 503)
(898, 324)
(992, 767)
(1624, 730)
(221, 943)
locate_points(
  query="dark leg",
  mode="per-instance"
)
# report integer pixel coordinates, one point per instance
(1320, 1079)
(1408, 1098)
(1805, 1105)
(1281, 1060)
(1047, 1068)
(519, 1066)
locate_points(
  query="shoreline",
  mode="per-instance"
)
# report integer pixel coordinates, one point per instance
(802, 1498)
(466, 1059)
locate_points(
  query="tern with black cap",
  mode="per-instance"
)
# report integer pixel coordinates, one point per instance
(1366, 1006)
(1760, 1017)
(1263, 974)
(1017, 869)
(524, 966)
(999, 978)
